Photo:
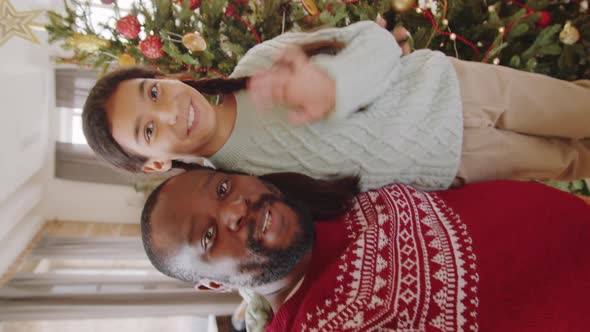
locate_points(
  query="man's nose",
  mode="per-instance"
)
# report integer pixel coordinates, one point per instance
(233, 213)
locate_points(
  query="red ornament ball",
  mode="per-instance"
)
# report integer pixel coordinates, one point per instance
(194, 4)
(230, 11)
(129, 26)
(151, 47)
(545, 19)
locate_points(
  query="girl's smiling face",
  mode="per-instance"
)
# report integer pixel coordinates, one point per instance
(161, 118)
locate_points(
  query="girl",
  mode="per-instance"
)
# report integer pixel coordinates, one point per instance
(425, 119)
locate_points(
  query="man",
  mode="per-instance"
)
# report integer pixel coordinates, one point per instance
(502, 256)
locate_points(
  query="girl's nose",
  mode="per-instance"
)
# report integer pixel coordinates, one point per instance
(168, 117)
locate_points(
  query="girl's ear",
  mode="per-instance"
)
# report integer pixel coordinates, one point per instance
(208, 285)
(155, 166)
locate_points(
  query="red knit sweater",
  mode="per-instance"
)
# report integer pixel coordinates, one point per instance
(501, 256)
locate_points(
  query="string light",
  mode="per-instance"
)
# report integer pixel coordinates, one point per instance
(491, 9)
(445, 33)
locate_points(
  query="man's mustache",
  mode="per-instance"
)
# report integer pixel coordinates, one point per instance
(263, 200)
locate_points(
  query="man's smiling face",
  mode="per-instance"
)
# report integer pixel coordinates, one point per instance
(230, 228)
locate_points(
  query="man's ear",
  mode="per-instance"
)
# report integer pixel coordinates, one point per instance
(155, 166)
(208, 285)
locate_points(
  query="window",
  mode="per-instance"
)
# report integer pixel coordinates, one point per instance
(73, 85)
(70, 124)
(74, 160)
(103, 14)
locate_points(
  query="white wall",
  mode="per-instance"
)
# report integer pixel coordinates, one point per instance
(29, 193)
(83, 201)
(80, 201)
(25, 96)
(20, 218)
(23, 130)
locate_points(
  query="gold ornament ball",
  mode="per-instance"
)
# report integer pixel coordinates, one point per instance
(310, 7)
(570, 34)
(126, 60)
(401, 6)
(194, 42)
(88, 43)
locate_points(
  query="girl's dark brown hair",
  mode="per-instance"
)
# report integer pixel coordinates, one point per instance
(97, 128)
(325, 199)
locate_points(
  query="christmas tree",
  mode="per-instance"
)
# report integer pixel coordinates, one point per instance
(549, 37)
(208, 37)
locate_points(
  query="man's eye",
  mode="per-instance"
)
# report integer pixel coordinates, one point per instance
(149, 131)
(208, 237)
(154, 93)
(223, 188)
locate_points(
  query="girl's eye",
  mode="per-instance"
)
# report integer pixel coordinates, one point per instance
(207, 240)
(154, 93)
(149, 131)
(223, 188)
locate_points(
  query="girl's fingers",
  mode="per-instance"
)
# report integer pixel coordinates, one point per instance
(270, 87)
(260, 90)
(298, 117)
(305, 115)
(292, 58)
(406, 49)
(381, 22)
(280, 81)
(400, 34)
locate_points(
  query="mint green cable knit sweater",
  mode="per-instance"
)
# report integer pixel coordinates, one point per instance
(397, 119)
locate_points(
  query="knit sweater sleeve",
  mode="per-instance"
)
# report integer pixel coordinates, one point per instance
(364, 69)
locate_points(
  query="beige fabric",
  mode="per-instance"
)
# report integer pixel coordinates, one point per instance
(520, 125)
(258, 310)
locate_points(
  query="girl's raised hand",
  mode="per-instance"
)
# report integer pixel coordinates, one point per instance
(303, 87)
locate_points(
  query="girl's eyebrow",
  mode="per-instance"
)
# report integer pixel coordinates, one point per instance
(142, 88)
